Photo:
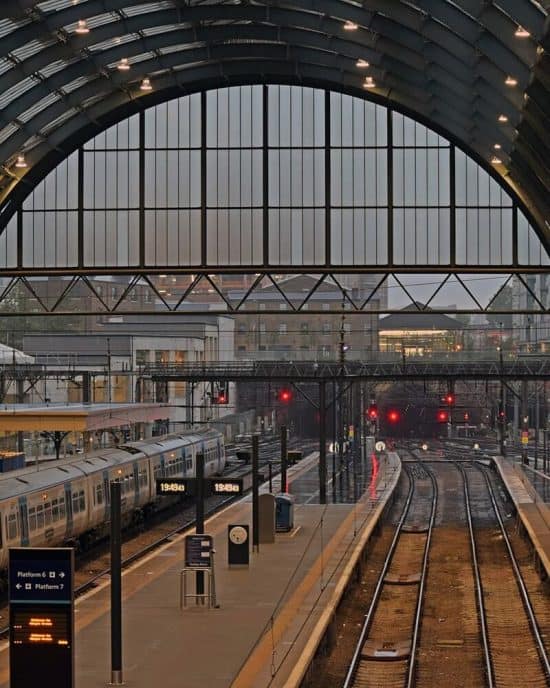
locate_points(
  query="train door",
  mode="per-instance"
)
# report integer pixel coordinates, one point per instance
(136, 483)
(24, 521)
(106, 493)
(69, 509)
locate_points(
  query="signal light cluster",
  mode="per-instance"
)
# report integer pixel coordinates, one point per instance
(372, 412)
(284, 395)
(393, 416)
(220, 394)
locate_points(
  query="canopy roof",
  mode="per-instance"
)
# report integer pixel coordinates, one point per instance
(476, 71)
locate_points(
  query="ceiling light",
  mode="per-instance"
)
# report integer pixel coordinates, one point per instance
(21, 162)
(495, 160)
(369, 82)
(522, 33)
(510, 81)
(497, 146)
(146, 85)
(502, 118)
(362, 64)
(350, 26)
(82, 27)
(123, 65)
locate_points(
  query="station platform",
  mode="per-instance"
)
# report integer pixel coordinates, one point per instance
(272, 613)
(532, 512)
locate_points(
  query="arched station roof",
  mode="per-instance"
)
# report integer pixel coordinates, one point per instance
(476, 71)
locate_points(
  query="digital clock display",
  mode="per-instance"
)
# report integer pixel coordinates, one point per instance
(172, 486)
(227, 487)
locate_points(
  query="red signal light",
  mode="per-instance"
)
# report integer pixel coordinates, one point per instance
(450, 398)
(372, 412)
(394, 416)
(222, 398)
(466, 416)
(442, 416)
(285, 395)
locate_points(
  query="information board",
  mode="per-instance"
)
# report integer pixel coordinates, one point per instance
(198, 551)
(41, 598)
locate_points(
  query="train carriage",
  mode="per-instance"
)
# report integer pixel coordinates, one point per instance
(67, 501)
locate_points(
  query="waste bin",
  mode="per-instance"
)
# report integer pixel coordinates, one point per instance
(284, 512)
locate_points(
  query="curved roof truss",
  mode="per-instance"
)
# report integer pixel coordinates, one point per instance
(457, 66)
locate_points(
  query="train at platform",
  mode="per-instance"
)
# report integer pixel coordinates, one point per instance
(68, 502)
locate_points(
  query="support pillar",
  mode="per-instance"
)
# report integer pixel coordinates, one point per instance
(322, 444)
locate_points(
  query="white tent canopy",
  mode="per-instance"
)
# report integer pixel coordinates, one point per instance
(10, 355)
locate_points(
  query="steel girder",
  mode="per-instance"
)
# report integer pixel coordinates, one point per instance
(440, 61)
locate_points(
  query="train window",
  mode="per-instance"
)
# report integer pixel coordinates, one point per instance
(12, 527)
(55, 510)
(40, 517)
(32, 518)
(47, 513)
(82, 500)
(76, 507)
(99, 494)
(62, 507)
(189, 464)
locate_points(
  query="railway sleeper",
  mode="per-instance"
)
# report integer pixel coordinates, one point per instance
(387, 651)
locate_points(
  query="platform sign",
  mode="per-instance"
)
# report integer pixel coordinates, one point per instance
(198, 551)
(226, 486)
(41, 596)
(175, 486)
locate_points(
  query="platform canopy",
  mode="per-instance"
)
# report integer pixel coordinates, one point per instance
(78, 417)
(476, 71)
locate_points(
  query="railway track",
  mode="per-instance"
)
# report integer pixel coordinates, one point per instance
(386, 649)
(477, 613)
(515, 652)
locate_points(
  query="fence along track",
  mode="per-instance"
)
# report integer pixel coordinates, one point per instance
(518, 656)
(385, 651)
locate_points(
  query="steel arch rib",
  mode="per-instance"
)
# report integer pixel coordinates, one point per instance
(440, 37)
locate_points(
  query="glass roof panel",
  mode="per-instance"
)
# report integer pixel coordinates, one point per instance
(147, 7)
(33, 47)
(76, 83)
(7, 131)
(54, 5)
(113, 42)
(5, 65)
(55, 123)
(39, 106)
(7, 26)
(17, 90)
(154, 30)
(54, 67)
